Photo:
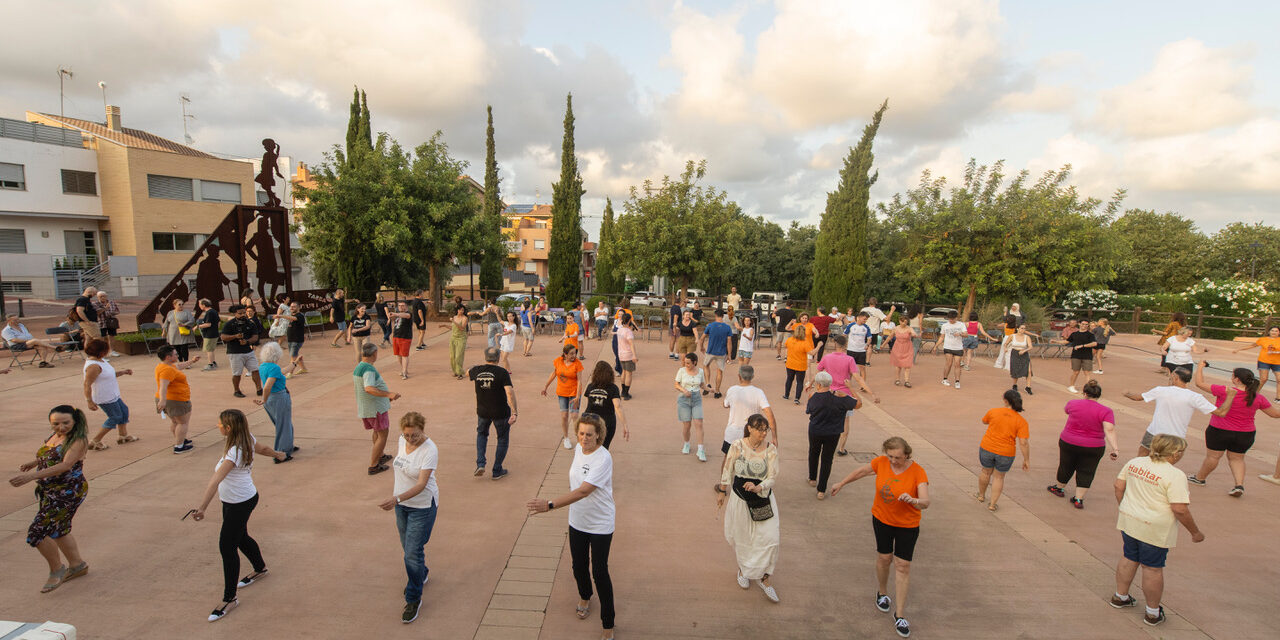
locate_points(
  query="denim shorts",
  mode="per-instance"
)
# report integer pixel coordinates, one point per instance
(342, 325)
(995, 461)
(970, 342)
(1147, 555)
(566, 403)
(117, 413)
(690, 408)
(294, 348)
(1263, 366)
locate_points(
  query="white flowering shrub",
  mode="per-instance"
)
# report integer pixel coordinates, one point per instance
(1091, 299)
(1239, 300)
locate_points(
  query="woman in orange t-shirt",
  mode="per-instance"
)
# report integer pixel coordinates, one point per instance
(564, 372)
(1268, 357)
(173, 395)
(996, 452)
(902, 492)
(799, 346)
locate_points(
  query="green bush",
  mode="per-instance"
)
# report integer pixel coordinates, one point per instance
(138, 336)
(593, 301)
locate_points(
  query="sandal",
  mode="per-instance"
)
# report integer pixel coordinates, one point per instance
(907, 385)
(897, 383)
(127, 439)
(76, 571)
(222, 611)
(583, 611)
(55, 580)
(373, 471)
(993, 507)
(842, 452)
(979, 497)
(251, 578)
(98, 445)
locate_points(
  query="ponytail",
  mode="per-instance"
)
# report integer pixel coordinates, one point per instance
(1250, 382)
(1014, 399)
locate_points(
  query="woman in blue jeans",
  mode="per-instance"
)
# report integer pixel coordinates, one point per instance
(275, 397)
(691, 385)
(415, 501)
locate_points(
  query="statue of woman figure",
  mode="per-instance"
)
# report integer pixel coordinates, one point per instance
(269, 164)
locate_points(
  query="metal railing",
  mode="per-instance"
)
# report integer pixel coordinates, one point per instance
(70, 261)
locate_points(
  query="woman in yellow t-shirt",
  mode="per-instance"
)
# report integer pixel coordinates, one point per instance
(1268, 357)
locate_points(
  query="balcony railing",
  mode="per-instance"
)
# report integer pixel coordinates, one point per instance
(74, 261)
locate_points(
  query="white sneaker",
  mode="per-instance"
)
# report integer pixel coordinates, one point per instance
(957, 385)
(568, 444)
(114, 354)
(685, 450)
(1097, 371)
(702, 455)
(743, 582)
(1073, 390)
(946, 382)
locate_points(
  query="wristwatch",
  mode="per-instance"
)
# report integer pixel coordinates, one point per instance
(550, 505)
(397, 497)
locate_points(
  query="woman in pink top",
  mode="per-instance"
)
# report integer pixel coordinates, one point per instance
(842, 368)
(626, 351)
(1090, 430)
(972, 330)
(1231, 432)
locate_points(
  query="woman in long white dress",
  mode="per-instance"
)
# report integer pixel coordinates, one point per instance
(751, 519)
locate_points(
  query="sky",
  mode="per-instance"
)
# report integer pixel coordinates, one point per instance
(1172, 101)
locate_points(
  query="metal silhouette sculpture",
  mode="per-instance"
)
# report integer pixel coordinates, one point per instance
(270, 163)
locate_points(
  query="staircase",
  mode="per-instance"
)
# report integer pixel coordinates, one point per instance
(70, 279)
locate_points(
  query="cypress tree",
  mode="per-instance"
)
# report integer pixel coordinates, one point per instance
(353, 124)
(608, 276)
(841, 255)
(491, 264)
(365, 134)
(564, 284)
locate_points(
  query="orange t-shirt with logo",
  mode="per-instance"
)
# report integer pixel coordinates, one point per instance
(1269, 353)
(567, 377)
(571, 332)
(1004, 426)
(798, 354)
(886, 507)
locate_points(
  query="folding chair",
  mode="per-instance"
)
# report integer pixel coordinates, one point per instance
(313, 326)
(148, 341)
(1050, 350)
(16, 352)
(64, 344)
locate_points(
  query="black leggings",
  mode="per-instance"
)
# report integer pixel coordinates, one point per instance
(184, 352)
(610, 428)
(1078, 460)
(798, 377)
(821, 342)
(593, 548)
(235, 536)
(822, 449)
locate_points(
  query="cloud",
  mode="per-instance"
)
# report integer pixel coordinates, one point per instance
(1041, 98)
(1190, 88)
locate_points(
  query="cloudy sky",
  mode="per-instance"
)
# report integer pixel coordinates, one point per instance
(1175, 101)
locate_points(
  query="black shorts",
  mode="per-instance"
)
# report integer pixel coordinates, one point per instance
(110, 332)
(1216, 439)
(1171, 366)
(1101, 347)
(899, 541)
(954, 352)
(860, 357)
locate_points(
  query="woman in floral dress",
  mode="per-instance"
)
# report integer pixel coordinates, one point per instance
(60, 488)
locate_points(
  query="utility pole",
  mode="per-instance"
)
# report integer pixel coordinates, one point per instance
(185, 100)
(63, 72)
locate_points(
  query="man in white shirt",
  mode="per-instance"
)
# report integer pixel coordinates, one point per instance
(953, 333)
(744, 400)
(859, 339)
(733, 299)
(1175, 404)
(874, 317)
(15, 333)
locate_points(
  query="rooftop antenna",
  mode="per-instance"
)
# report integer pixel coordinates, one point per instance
(185, 100)
(537, 193)
(103, 86)
(63, 72)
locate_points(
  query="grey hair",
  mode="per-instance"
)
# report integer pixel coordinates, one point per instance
(746, 372)
(491, 354)
(270, 352)
(369, 349)
(823, 379)
(1185, 331)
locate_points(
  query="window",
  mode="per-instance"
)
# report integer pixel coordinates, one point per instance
(170, 188)
(177, 241)
(211, 191)
(81, 182)
(106, 243)
(530, 267)
(539, 244)
(13, 241)
(12, 176)
(15, 287)
(539, 225)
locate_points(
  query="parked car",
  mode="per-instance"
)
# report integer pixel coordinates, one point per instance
(939, 312)
(767, 301)
(1058, 320)
(647, 299)
(514, 298)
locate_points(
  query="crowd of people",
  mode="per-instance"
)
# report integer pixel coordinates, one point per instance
(829, 349)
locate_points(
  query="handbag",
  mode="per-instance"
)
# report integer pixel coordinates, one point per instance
(759, 507)
(184, 331)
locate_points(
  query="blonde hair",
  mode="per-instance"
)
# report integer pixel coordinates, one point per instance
(1165, 447)
(413, 420)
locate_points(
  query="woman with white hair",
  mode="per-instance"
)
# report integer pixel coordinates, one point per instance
(275, 397)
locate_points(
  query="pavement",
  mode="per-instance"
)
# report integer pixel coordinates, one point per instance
(1035, 569)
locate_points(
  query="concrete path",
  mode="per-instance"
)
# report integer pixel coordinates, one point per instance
(1035, 569)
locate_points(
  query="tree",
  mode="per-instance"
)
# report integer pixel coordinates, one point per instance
(564, 260)
(1233, 254)
(1161, 252)
(609, 278)
(841, 256)
(680, 229)
(491, 262)
(353, 123)
(992, 238)
(365, 131)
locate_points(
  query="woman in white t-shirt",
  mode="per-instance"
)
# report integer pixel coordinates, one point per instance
(507, 338)
(233, 482)
(415, 500)
(1178, 351)
(691, 385)
(591, 518)
(747, 341)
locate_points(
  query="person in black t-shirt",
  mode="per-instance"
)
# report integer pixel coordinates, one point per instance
(359, 329)
(603, 399)
(87, 314)
(420, 318)
(781, 318)
(208, 326)
(1082, 343)
(295, 335)
(495, 406)
(338, 315)
(401, 335)
(241, 334)
(380, 312)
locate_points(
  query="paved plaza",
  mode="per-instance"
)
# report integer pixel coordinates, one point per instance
(1035, 569)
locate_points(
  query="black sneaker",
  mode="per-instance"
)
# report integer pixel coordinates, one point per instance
(184, 448)
(498, 475)
(1194, 480)
(1120, 603)
(883, 602)
(385, 458)
(1154, 620)
(718, 395)
(1029, 392)
(238, 394)
(410, 611)
(900, 625)
(479, 471)
(418, 348)
(1236, 491)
